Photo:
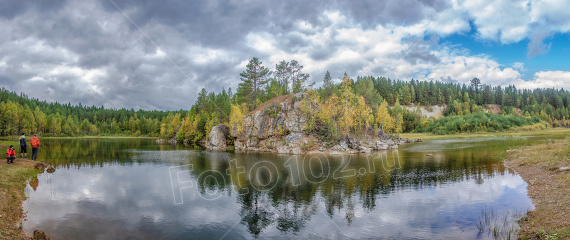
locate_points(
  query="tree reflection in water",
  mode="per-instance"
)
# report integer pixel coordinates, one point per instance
(271, 192)
(286, 192)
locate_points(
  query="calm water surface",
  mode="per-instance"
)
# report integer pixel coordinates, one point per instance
(137, 189)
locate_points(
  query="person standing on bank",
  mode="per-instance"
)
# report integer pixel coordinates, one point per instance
(23, 146)
(10, 154)
(35, 142)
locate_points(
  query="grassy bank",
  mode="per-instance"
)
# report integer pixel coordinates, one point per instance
(13, 181)
(545, 132)
(545, 167)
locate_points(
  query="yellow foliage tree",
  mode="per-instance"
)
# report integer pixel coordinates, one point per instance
(383, 119)
(163, 130)
(212, 121)
(310, 107)
(236, 116)
(348, 114)
(328, 113)
(364, 114)
(398, 116)
(175, 123)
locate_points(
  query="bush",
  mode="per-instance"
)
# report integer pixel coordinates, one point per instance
(482, 122)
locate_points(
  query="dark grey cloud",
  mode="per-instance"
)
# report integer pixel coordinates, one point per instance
(10, 8)
(90, 52)
(371, 12)
(85, 41)
(419, 51)
(218, 23)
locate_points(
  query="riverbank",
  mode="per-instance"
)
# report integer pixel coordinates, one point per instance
(13, 181)
(545, 132)
(546, 169)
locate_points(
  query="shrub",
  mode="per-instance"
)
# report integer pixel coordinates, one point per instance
(482, 122)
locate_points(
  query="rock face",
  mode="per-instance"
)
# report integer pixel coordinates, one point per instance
(275, 127)
(217, 138)
(278, 126)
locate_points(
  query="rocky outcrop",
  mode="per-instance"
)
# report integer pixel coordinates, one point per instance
(40, 235)
(41, 165)
(217, 138)
(278, 126)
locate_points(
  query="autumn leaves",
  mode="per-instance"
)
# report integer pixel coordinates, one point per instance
(344, 113)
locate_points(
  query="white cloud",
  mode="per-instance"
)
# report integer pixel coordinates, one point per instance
(546, 79)
(448, 22)
(495, 19)
(380, 51)
(505, 21)
(519, 66)
(465, 68)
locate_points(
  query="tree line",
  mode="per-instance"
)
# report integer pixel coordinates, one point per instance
(19, 113)
(365, 105)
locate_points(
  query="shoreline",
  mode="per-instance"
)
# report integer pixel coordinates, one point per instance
(544, 167)
(13, 182)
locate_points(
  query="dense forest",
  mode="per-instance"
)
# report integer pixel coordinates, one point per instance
(366, 105)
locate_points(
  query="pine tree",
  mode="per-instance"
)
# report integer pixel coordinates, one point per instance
(282, 77)
(253, 79)
(328, 86)
(298, 78)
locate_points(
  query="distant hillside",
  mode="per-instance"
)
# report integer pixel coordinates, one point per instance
(436, 111)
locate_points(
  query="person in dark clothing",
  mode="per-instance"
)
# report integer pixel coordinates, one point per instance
(23, 146)
(10, 154)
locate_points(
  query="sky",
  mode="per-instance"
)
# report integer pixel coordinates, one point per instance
(157, 55)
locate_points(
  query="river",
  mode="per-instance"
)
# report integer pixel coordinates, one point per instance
(106, 188)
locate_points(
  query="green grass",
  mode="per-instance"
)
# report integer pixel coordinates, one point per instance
(429, 136)
(12, 184)
(7, 143)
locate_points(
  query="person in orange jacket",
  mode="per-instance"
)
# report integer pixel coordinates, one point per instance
(35, 142)
(10, 154)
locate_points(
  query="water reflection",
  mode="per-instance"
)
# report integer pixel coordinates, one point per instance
(80, 152)
(286, 192)
(137, 189)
